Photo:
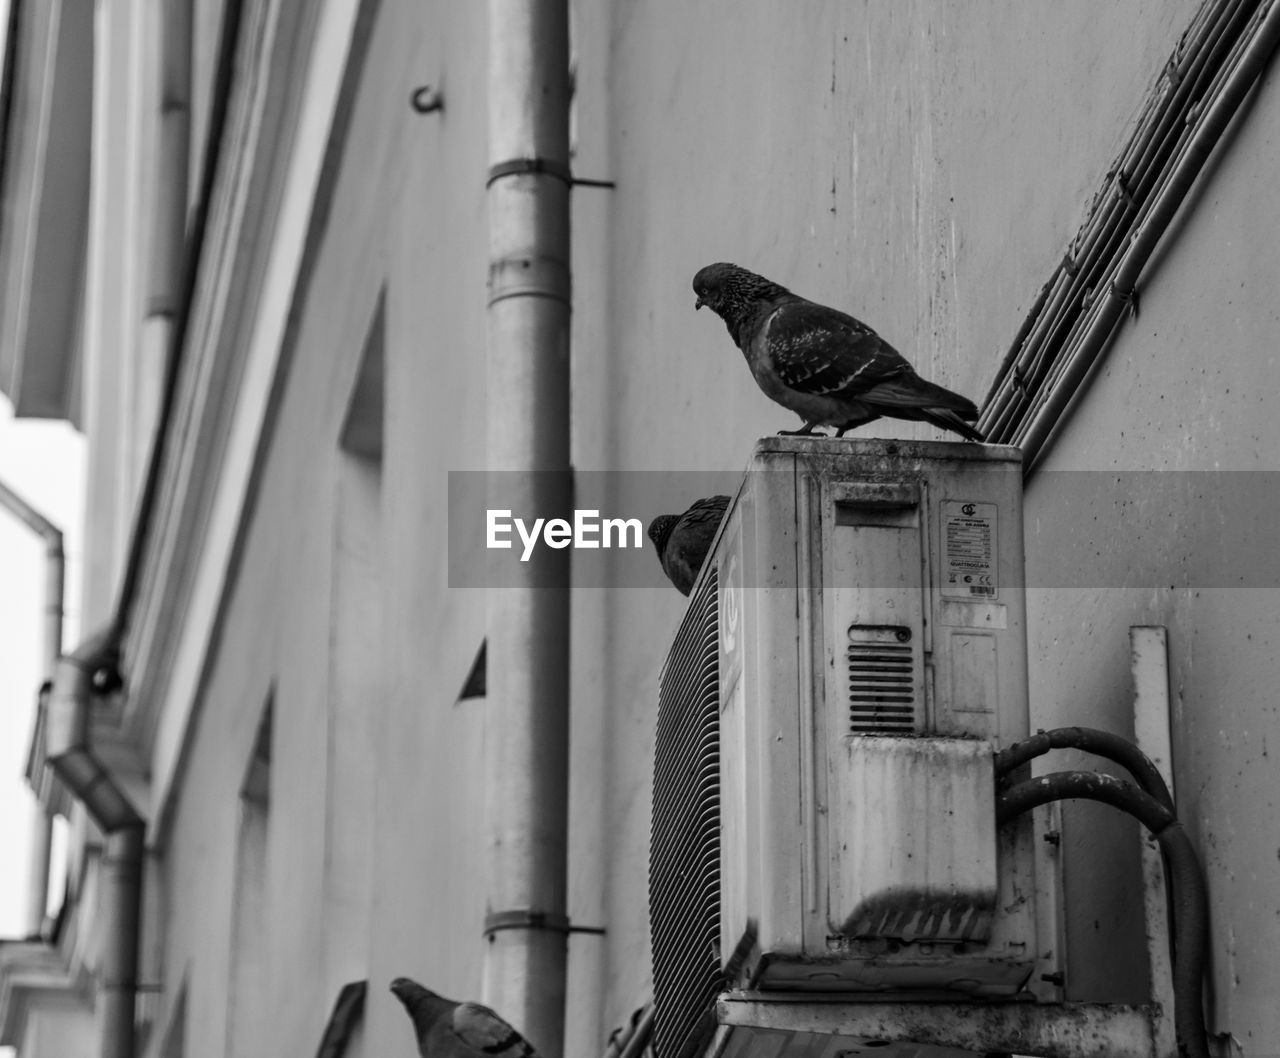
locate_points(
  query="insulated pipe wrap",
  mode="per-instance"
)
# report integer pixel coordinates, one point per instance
(1190, 910)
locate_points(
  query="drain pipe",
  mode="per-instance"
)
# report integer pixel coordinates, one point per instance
(527, 718)
(90, 670)
(55, 571)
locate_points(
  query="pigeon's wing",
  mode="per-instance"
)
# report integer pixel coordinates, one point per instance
(480, 1029)
(690, 541)
(820, 351)
(709, 507)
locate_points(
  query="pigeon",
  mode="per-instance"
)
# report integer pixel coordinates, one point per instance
(683, 540)
(446, 1029)
(826, 366)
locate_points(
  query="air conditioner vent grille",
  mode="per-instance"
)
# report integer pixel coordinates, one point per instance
(882, 677)
(684, 848)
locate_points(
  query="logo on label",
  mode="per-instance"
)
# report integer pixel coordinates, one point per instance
(729, 629)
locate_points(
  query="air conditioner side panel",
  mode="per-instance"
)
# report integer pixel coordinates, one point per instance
(739, 836)
(778, 671)
(762, 820)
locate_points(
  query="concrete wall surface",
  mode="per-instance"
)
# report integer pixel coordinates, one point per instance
(1163, 484)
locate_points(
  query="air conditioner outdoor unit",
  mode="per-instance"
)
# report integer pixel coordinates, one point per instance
(853, 653)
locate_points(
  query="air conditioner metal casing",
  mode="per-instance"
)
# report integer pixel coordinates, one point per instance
(871, 621)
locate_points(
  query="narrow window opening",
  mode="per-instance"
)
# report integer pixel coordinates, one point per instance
(476, 684)
(248, 984)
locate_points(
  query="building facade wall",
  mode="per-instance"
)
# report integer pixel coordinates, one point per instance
(405, 229)
(912, 163)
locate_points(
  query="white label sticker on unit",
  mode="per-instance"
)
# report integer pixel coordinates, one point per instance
(969, 551)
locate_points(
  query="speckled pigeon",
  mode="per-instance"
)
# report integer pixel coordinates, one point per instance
(446, 1029)
(826, 366)
(683, 540)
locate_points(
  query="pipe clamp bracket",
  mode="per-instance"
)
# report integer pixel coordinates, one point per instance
(515, 166)
(533, 920)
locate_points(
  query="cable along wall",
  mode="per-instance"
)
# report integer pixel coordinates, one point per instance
(1203, 84)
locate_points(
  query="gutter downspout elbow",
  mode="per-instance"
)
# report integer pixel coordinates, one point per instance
(78, 676)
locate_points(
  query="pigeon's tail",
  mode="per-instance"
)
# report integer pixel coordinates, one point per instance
(949, 420)
(912, 397)
(912, 391)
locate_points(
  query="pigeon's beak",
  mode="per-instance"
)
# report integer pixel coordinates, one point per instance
(698, 304)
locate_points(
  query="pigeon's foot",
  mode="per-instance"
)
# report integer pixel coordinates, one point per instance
(853, 424)
(805, 431)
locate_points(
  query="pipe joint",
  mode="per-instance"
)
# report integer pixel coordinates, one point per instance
(94, 668)
(90, 670)
(526, 275)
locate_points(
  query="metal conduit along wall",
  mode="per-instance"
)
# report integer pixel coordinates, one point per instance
(1204, 84)
(527, 722)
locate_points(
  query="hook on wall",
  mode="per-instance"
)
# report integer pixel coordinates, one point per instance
(426, 100)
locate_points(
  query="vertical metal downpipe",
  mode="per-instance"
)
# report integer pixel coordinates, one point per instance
(527, 722)
(118, 978)
(69, 753)
(172, 201)
(39, 851)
